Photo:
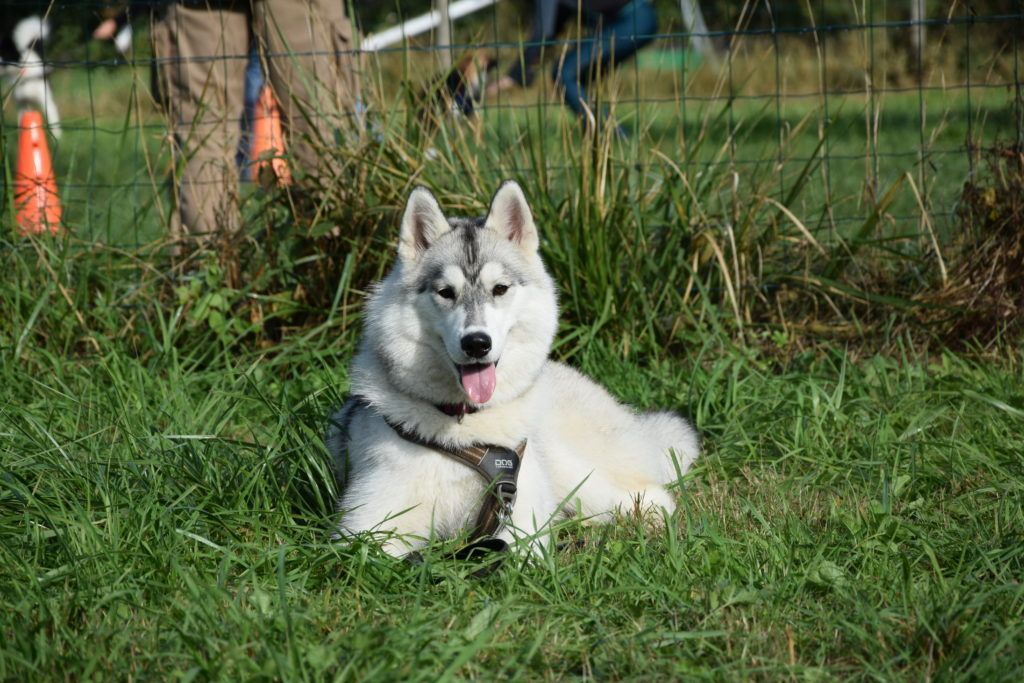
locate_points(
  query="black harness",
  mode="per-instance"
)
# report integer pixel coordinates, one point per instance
(497, 465)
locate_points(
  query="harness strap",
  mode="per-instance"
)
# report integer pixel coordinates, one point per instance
(498, 465)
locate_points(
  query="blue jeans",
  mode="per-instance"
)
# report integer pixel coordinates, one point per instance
(253, 85)
(614, 40)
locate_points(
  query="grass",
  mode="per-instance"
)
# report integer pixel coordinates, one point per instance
(166, 501)
(165, 512)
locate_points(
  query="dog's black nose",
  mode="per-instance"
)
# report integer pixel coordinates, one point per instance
(476, 344)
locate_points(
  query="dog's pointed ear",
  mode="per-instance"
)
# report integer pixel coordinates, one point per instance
(422, 224)
(511, 217)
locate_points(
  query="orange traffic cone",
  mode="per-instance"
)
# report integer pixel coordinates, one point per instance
(37, 206)
(268, 142)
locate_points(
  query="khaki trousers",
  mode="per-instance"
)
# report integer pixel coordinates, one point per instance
(202, 49)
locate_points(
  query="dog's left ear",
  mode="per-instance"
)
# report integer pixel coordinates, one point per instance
(510, 217)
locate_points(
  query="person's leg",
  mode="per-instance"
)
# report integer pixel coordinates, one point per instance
(201, 55)
(614, 40)
(568, 77)
(312, 68)
(253, 86)
(631, 29)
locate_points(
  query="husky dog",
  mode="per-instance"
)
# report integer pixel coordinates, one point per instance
(455, 354)
(21, 63)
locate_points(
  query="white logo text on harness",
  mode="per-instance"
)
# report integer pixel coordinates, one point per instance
(503, 464)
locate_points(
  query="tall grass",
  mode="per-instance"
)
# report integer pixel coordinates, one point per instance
(726, 208)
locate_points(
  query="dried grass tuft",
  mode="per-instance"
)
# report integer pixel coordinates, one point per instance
(984, 297)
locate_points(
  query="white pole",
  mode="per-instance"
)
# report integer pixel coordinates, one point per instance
(421, 24)
(917, 28)
(444, 36)
(694, 20)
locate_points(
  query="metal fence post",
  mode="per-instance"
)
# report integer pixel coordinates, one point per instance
(444, 35)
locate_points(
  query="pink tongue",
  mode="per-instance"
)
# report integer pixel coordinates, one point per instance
(478, 381)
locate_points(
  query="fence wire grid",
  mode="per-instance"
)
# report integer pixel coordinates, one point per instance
(844, 99)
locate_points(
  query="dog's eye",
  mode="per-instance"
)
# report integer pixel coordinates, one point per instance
(499, 290)
(446, 293)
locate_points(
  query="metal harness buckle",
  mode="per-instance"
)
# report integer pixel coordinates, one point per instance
(506, 493)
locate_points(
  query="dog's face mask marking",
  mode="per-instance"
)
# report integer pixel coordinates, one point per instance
(467, 278)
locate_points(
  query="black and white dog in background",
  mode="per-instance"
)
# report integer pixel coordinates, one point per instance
(24, 70)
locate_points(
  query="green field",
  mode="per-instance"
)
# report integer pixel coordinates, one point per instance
(166, 515)
(166, 501)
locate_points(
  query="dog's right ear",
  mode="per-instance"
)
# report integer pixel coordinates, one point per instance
(422, 224)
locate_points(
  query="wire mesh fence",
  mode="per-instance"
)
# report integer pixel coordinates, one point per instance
(840, 112)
